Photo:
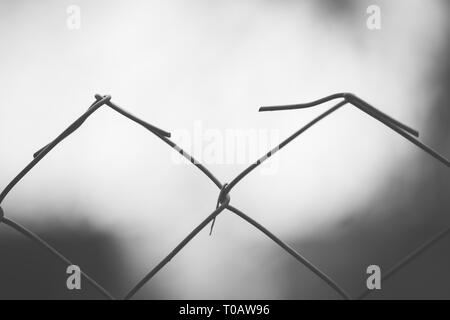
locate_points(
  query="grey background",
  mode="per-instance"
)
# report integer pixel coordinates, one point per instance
(348, 194)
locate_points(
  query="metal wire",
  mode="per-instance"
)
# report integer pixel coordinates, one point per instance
(293, 253)
(223, 201)
(38, 156)
(283, 144)
(409, 258)
(402, 129)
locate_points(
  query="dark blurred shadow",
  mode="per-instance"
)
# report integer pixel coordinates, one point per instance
(27, 271)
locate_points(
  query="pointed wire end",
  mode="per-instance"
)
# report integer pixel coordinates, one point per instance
(37, 153)
(2, 214)
(281, 108)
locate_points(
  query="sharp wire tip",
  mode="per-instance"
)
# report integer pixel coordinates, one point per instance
(380, 116)
(212, 226)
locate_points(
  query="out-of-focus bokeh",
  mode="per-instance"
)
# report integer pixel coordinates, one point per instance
(347, 194)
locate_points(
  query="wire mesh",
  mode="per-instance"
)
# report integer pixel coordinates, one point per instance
(224, 199)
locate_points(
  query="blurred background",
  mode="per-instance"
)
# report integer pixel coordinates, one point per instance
(347, 194)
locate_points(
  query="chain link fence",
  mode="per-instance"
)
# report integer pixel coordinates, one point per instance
(224, 199)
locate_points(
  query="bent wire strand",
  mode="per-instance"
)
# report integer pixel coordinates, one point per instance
(222, 194)
(38, 156)
(361, 104)
(106, 100)
(41, 242)
(73, 127)
(401, 129)
(293, 253)
(35, 238)
(43, 152)
(155, 130)
(369, 109)
(395, 125)
(409, 258)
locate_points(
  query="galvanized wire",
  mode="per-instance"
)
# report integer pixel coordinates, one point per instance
(223, 201)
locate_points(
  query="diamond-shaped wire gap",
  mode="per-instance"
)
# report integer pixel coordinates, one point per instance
(27, 233)
(28, 272)
(38, 156)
